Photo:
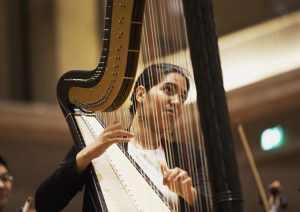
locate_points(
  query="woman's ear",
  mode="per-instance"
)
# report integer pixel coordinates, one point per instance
(140, 93)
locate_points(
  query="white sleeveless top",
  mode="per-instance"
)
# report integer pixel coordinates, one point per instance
(149, 161)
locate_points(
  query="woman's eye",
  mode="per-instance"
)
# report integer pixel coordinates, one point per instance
(170, 90)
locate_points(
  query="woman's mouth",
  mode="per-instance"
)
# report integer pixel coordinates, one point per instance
(170, 112)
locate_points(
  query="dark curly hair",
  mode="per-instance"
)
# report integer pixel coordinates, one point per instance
(152, 76)
(3, 162)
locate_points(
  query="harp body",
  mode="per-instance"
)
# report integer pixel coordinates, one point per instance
(120, 191)
(108, 86)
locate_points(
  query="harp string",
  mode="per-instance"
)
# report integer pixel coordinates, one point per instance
(179, 46)
(163, 34)
(165, 19)
(177, 33)
(148, 43)
(157, 51)
(199, 138)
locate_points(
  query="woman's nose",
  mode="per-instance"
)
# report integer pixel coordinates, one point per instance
(175, 99)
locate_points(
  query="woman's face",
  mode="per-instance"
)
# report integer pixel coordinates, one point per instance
(163, 103)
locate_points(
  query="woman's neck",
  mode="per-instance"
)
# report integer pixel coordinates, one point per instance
(146, 137)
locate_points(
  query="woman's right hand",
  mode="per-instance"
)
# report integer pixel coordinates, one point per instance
(179, 182)
(114, 133)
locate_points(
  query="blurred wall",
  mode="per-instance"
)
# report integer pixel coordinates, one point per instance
(40, 40)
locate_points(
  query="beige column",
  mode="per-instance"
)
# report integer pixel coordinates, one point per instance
(77, 34)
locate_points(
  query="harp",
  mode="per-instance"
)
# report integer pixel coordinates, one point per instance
(191, 34)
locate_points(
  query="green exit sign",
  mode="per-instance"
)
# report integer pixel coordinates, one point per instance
(272, 138)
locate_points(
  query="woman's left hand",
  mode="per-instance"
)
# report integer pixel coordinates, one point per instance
(179, 182)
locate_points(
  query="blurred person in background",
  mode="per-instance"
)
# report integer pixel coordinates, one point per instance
(6, 188)
(5, 183)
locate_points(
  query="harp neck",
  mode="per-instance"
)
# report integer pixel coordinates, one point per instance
(114, 76)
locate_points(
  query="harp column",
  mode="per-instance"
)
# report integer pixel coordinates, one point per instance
(223, 171)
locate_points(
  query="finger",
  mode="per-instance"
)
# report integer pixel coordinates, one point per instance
(175, 187)
(187, 186)
(173, 174)
(187, 183)
(165, 171)
(120, 133)
(163, 168)
(118, 136)
(181, 176)
(119, 140)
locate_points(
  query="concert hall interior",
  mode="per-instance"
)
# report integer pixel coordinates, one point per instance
(259, 45)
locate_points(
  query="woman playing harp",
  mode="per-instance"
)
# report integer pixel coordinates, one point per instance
(166, 155)
(157, 101)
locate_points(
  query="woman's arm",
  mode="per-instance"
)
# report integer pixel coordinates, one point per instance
(114, 133)
(71, 174)
(61, 186)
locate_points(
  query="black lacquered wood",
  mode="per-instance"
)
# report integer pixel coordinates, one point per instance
(223, 171)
